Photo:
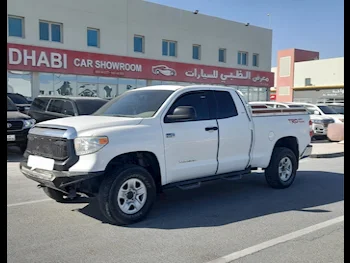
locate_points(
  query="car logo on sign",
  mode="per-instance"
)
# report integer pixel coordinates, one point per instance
(9, 125)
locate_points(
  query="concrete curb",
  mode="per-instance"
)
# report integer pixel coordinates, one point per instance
(327, 155)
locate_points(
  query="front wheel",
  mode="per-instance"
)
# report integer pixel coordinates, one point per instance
(281, 171)
(127, 195)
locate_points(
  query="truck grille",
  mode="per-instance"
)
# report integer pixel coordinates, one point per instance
(14, 125)
(49, 147)
(326, 122)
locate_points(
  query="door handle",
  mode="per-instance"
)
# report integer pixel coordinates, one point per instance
(211, 128)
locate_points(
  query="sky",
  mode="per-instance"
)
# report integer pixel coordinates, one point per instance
(316, 25)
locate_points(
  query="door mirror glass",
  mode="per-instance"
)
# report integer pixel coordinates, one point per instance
(182, 113)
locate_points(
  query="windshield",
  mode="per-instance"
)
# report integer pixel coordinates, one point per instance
(10, 105)
(338, 109)
(17, 98)
(327, 110)
(138, 103)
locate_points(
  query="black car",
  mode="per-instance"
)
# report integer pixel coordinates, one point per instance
(18, 125)
(20, 101)
(45, 108)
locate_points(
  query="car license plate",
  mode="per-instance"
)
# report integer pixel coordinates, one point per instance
(11, 138)
(40, 162)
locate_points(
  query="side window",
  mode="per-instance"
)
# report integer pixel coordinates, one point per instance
(67, 108)
(39, 104)
(197, 100)
(55, 106)
(225, 105)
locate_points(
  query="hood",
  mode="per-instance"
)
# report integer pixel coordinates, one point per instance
(16, 115)
(339, 117)
(83, 123)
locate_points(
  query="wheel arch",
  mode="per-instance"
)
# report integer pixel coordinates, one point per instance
(290, 142)
(145, 159)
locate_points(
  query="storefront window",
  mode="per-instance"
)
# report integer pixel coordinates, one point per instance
(125, 85)
(65, 85)
(107, 87)
(87, 79)
(156, 82)
(87, 86)
(244, 91)
(20, 82)
(107, 91)
(46, 84)
(141, 83)
(87, 90)
(169, 83)
(263, 94)
(253, 94)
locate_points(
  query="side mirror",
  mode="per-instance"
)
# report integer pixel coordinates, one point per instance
(182, 113)
(316, 112)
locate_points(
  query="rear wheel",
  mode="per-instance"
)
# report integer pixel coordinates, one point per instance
(281, 171)
(127, 195)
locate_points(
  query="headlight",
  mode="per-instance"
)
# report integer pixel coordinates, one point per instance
(317, 121)
(88, 145)
(28, 123)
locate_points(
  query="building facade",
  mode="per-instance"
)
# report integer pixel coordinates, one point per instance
(82, 48)
(301, 76)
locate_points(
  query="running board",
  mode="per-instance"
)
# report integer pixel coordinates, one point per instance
(196, 183)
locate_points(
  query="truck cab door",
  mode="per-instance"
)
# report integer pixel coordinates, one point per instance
(191, 145)
(235, 132)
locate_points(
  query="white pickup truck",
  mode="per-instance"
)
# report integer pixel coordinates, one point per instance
(157, 137)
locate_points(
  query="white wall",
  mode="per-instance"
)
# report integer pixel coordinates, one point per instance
(119, 20)
(322, 72)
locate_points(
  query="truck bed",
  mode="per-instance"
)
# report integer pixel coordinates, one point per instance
(270, 124)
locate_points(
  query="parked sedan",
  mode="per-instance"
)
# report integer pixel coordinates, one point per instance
(52, 107)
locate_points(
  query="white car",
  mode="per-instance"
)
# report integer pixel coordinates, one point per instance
(158, 137)
(323, 110)
(319, 122)
(163, 70)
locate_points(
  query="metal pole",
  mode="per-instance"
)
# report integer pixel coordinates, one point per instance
(269, 20)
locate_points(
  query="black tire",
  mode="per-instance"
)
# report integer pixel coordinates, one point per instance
(108, 194)
(272, 174)
(55, 195)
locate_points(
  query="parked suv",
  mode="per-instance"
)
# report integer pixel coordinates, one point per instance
(48, 107)
(18, 125)
(21, 102)
(319, 122)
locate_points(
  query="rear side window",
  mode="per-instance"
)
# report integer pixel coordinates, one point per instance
(55, 106)
(17, 98)
(226, 107)
(67, 108)
(88, 107)
(39, 104)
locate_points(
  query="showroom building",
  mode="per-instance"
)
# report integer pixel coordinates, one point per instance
(302, 77)
(81, 48)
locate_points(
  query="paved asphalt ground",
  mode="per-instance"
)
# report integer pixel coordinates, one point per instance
(245, 220)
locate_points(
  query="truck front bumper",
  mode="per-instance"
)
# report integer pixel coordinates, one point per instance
(307, 152)
(58, 180)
